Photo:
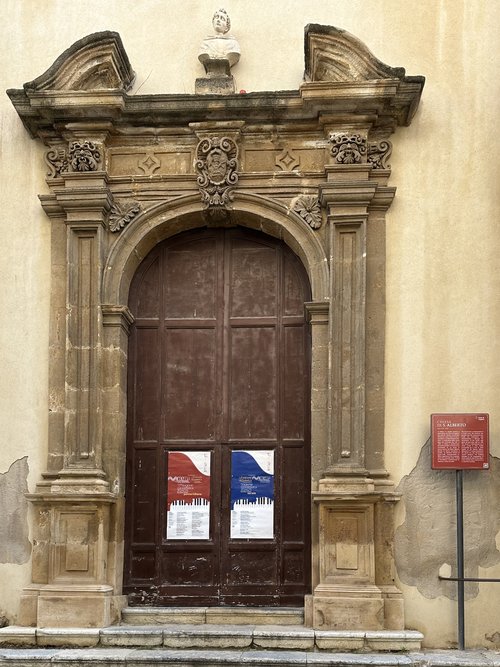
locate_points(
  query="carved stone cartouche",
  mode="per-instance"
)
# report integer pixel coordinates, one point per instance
(217, 164)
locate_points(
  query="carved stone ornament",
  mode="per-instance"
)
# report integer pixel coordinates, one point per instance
(121, 214)
(84, 155)
(57, 161)
(309, 209)
(348, 148)
(378, 154)
(216, 164)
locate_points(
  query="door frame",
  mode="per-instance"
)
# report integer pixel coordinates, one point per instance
(284, 591)
(308, 166)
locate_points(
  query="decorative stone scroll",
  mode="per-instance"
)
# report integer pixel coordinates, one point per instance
(121, 214)
(348, 148)
(216, 164)
(84, 156)
(309, 209)
(378, 154)
(57, 161)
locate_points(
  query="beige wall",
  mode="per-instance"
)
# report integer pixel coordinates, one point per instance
(443, 243)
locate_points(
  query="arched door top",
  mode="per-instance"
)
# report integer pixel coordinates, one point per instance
(172, 217)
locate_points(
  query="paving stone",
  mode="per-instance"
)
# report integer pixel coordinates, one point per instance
(90, 656)
(359, 659)
(184, 658)
(280, 658)
(442, 658)
(23, 657)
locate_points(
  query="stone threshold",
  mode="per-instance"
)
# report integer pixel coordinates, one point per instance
(250, 638)
(213, 615)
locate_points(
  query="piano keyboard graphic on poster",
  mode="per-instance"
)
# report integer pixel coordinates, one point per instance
(188, 496)
(252, 494)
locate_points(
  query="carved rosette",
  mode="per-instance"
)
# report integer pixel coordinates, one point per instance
(57, 161)
(121, 214)
(84, 156)
(309, 209)
(348, 148)
(216, 164)
(378, 154)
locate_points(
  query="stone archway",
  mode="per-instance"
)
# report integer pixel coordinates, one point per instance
(306, 166)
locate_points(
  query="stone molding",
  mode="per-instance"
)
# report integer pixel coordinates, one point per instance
(97, 61)
(334, 55)
(149, 182)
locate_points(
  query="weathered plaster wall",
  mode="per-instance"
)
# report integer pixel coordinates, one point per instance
(443, 286)
(14, 544)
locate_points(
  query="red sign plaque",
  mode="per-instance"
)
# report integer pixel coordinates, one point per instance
(460, 441)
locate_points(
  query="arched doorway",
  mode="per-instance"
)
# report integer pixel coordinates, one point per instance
(218, 436)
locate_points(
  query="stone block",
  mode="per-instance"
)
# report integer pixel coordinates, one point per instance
(163, 616)
(254, 616)
(131, 636)
(211, 636)
(14, 635)
(85, 610)
(67, 637)
(332, 640)
(278, 637)
(394, 641)
(215, 85)
(346, 613)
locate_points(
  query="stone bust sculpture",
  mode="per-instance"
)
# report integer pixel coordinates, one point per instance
(220, 46)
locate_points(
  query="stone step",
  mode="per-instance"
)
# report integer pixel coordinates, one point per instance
(215, 637)
(118, 657)
(213, 615)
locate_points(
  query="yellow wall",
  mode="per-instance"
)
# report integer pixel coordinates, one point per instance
(443, 239)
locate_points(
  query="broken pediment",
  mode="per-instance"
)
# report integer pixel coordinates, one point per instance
(96, 62)
(332, 54)
(88, 84)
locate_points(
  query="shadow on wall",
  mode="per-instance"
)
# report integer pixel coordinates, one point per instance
(15, 546)
(427, 538)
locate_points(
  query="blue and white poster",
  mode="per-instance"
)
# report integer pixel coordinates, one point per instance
(252, 494)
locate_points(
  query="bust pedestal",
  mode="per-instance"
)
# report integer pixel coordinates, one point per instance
(218, 79)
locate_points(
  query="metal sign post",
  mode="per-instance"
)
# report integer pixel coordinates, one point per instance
(460, 442)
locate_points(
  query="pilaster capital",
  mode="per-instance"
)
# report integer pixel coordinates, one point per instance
(347, 202)
(117, 316)
(317, 312)
(85, 197)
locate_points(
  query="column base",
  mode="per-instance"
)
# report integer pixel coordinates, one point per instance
(70, 606)
(354, 608)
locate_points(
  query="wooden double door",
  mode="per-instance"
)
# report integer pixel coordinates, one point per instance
(218, 442)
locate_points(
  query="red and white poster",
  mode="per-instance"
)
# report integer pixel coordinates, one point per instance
(460, 441)
(188, 496)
